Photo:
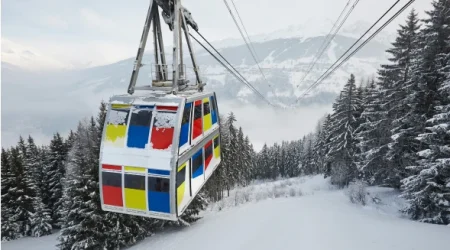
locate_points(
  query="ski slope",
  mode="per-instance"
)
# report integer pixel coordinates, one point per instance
(300, 213)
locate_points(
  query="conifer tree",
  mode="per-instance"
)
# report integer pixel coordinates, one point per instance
(54, 178)
(401, 87)
(344, 121)
(373, 137)
(427, 189)
(40, 220)
(10, 227)
(21, 193)
(83, 226)
(320, 150)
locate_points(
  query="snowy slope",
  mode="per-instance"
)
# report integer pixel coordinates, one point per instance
(316, 216)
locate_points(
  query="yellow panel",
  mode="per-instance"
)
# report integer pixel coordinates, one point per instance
(120, 106)
(135, 169)
(180, 193)
(217, 152)
(135, 199)
(116, 134)
(207, 122)
(181, 167)
(207, 119)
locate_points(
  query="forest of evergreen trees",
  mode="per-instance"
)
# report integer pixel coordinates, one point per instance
(394, 131)
(391, 131)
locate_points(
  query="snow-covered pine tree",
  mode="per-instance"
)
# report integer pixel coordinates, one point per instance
(68, 143)
(83, 226)
(373, 136)
(231, 145)
(344, 121)
(249, 161)
(320, 146)
(308, 166)
(10, 227)
(45, 161)
(428, 188)
(398, 87)
(23, 205)
(274, 161)
(240, 154)
(54, 178)
(263, 163)
(282, 162)
(40, 219)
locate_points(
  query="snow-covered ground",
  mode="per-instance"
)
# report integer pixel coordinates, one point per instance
(299, 213)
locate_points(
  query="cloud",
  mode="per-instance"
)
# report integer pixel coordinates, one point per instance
(94, 20)
(267, 125)
(28, 57)
(55, 22)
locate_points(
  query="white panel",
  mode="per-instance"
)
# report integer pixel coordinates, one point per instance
(155, 159)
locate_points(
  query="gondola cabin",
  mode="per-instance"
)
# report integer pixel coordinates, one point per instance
(157, 152)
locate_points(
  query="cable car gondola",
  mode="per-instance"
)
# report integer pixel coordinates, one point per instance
(159, 146)
(158, 152)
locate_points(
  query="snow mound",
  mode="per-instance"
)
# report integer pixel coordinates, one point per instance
(282, 188)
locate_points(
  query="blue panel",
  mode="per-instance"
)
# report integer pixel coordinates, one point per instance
(197, 164)
(213, 111)
(185, 124)
(184, 134)
(160, 172)
(198, 172)
(159, 201)
(137, 136)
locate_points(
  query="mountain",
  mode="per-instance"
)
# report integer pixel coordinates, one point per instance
(55, 100)
(283, 61)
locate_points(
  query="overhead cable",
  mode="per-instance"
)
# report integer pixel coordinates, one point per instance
(328, 72)
(248, 43)
(328, 40)
(243, 80)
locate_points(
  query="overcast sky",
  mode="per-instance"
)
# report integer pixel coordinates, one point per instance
(85, 32)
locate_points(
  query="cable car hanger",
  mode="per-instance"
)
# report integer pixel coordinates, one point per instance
(177, 18)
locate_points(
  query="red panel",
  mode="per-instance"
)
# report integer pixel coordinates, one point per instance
(162, 137)
(208, 144)
(111, 167)
(112, 196)
(199, 102)
(170, 108)
(207, 161)
(197, 128)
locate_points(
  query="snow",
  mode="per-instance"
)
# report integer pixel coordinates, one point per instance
(117, 117)
(165, 120)
(318, 216)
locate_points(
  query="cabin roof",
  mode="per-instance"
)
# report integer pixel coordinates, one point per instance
(153, 97)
